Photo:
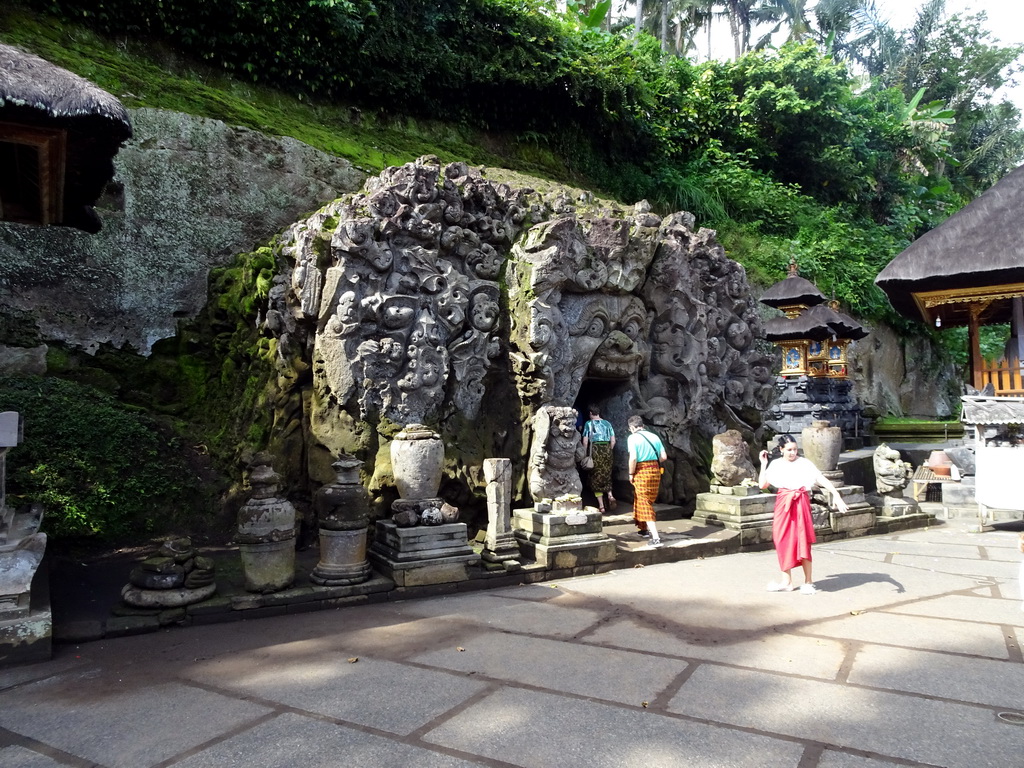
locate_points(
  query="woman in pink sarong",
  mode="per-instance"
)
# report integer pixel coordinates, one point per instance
(792, 527)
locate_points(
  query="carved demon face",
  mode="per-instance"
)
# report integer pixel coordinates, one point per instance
(606, 340)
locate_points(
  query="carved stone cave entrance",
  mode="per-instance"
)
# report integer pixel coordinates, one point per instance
(617, 402)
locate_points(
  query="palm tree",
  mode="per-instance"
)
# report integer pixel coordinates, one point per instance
(740, 16)
(855, 31)
(674, 22)
(791, 14)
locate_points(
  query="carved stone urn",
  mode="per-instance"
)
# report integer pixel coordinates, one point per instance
(822, 445)
(417, 460)
(266, 533)
(343, 509)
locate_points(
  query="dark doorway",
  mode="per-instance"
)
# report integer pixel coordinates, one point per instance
(616, 401)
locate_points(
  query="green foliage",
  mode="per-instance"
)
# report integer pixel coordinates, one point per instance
(991, 339)
(102, 470)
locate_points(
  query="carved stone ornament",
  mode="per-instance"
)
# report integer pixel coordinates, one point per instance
(731, 464)
(892, 474)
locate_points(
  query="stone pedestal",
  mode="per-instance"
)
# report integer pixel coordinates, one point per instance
(26, 624)
(959, 494)
(751, 515)
(423, 554)
(898, 505)
(859, 518)
(563, 539)
(342, 558)
(342, 508)
(266, 532)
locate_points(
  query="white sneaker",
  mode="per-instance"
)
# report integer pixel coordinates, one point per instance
(808, 589)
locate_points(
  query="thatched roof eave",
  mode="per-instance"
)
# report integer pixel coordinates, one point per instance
(30, 82)
(979, 246)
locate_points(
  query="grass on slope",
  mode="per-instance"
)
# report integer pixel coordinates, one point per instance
(147, 74)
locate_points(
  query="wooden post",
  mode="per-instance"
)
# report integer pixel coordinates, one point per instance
(974, 346)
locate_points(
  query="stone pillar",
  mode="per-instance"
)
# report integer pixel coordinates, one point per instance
(500, 550)
(266, 533)
(343, 509)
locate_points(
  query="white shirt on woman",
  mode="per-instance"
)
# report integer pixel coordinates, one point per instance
(792, 475)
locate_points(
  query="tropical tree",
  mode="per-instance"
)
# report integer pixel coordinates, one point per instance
(674, 22)
(741, 20)
(854, 31)
(787, 14)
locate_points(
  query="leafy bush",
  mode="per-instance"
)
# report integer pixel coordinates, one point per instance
(101, 469)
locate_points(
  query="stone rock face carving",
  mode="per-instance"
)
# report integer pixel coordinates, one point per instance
(409, 315)
(892, 474)
(731, 464)
(443, 293)
(556, 448)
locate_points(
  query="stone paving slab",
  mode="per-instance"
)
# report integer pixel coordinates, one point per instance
(19, 757)
(917, 632)
(889, 665)
(540, 730)
(831, 758)
(693, 591)
(337, 688)
(626, 677)
(815, 657)
(967, 567)
(903, 547)
(992, 610)
(846, 716)
(292, 740)
(542, 591)
(501, 612)
(122, 726)
(959, 678)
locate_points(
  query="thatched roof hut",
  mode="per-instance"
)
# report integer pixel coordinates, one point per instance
(972, 262)
(818, 323)
(793, 293)
(58, 136)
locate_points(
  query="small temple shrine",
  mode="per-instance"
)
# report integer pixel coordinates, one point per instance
(813, 337)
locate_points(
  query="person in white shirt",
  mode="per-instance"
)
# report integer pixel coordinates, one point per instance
(794, 476)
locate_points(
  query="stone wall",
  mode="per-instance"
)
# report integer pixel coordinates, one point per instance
(188, 194)
(903, 376)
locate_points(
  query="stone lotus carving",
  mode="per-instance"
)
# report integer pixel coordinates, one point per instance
(437, 296)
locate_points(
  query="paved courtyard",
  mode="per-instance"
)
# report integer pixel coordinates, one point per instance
(909, 655)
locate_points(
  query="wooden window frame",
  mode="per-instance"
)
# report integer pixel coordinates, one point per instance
(51, 149)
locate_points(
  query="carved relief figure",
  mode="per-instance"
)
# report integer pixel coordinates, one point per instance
(554, 452)
(409, 318)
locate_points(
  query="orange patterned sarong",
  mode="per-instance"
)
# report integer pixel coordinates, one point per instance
(646, 481)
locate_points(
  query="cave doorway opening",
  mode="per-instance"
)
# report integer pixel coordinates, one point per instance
(615, 400)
